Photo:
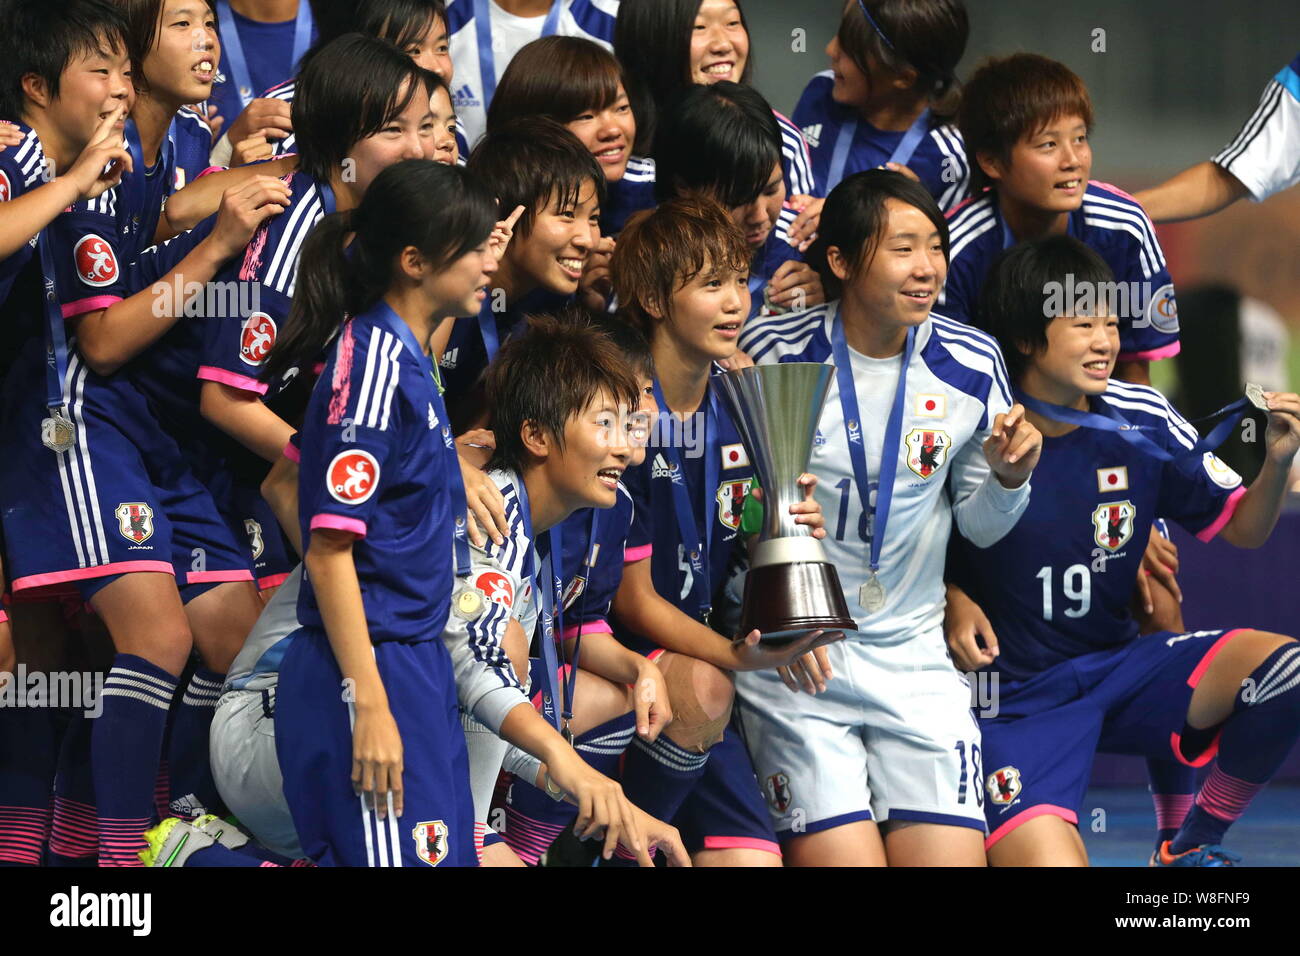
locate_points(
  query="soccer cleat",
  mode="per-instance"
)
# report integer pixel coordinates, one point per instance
(172, 842)
(220, 831)
(1207, 854)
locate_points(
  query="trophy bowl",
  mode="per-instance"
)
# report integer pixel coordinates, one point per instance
(791, 588)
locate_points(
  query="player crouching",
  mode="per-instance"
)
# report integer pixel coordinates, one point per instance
(1075, 678)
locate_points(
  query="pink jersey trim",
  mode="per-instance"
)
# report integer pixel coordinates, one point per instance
(599, 626)
(217, 577)
(4, 618)
(639, 553)
(1208, 657)
(271, 581)
(339, 523)
(98, 571)
(1111, 188)
(292, 453)
(1152, 355)
(242, 382)
(1229, 509)
(741, 843)
(1024, 816)
(211, 169)
(93, 304)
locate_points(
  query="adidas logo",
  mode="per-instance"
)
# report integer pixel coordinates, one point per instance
(813, 134)
(465, 97)
(187, 807)
(448, 360)
(661, 468)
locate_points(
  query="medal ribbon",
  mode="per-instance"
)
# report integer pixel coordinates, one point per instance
(133, 184)
(234, 47)
(697, 551)
(902, 152)
(1110, 420)
(857, 449)
(56, 342)
(486, 54)
(571, 682)
(487, 327)
(551, 618)
(459, 507)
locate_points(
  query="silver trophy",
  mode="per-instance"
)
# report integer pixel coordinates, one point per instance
(791, 588)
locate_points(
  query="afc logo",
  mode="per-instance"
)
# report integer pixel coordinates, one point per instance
(257, 338)
(96, 264)
(1004, 785)
(1112, 524)
(352, 477)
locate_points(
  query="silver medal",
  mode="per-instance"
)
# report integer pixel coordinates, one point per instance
(58, 434)
(1255, 393)
(872, 594)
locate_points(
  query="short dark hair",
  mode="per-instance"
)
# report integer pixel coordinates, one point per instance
(349, 91)
(1013, 304)
(531, 160)
(400, 22)
(854, 219)
(548, 372)
(43, 36)
(929, 36)
(652, 39)
(723, 139)
(557, 77)
(662, 249)
(1010, 98)
(144, 25)
(630, 341)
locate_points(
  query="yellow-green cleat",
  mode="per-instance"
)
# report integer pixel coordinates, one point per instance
(172, 842)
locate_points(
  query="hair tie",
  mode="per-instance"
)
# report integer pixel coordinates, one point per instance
(875, 25)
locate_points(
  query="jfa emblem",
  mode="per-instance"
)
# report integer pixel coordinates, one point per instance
(259, 335)
(731, 501)
(352, 477)
(254, 531)
(5, 189)
(431, 841)
(778, 792)
(1112, 524)
(927, 450)
(135, 521)
(1004, 785)
(573, 591)
(496, 587)
(96, 264)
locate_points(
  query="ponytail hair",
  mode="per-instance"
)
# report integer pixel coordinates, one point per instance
(443, 211)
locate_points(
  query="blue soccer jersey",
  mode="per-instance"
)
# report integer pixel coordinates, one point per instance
(21, 170)
(145, 189)
(238, 340)
(631, 194)
(1059, 584)
(1111, 223)
(704, 466)
(375, 462)
(774, 253)
(268, 53)
(938, 159)
(592, 567)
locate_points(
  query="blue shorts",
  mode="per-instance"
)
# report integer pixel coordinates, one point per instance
(251, 520)
(725, 810)
(313, 741)
(1133, 699)
(122, 499)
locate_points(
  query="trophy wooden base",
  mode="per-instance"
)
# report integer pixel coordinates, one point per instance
(786, 601)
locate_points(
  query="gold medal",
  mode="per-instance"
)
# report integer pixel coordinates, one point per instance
(468, 603)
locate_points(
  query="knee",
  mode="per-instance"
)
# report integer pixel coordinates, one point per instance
(701, 697)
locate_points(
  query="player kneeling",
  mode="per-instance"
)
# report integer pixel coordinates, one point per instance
(1074, 677)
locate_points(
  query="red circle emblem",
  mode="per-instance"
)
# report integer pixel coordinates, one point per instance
(6, 191)
(96, 263)
(496, 587)
(257, 339)
(734, 455)
(352, 476)
(1112, 479)
(929, 405)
